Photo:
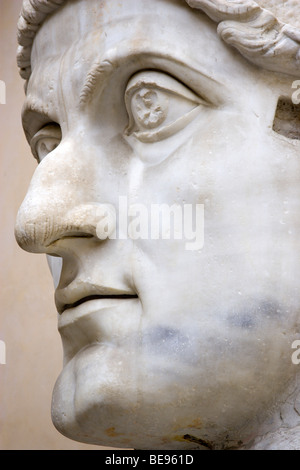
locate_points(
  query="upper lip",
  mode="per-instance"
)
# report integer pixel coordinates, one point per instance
(71, 297)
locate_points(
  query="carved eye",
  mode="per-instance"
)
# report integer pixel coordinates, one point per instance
(158, 106)
(45, 141)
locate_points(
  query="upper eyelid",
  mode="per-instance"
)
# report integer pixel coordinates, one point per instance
(159, 79)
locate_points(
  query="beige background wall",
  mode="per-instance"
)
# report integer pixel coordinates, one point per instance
(27, 312)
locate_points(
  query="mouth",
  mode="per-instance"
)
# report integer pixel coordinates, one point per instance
(88, 298)
(106, 318)
(79, 293)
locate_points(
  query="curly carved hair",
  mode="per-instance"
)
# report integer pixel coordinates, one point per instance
(263, 36)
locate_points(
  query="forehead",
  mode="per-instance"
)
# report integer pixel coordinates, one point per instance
(166, 27)
(113, 21)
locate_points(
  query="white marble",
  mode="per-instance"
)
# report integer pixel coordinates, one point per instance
(168, 345)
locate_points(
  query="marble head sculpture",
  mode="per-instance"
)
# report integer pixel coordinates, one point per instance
(169, 343)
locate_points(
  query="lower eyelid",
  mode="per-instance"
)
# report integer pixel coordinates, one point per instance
(168, 130)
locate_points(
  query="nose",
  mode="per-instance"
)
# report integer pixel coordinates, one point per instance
(37, 233)
(58, 203)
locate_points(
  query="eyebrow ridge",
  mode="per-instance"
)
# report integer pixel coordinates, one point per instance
(103, 69)
(33, 105)
(100, 69)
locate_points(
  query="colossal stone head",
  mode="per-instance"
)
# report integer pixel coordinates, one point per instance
(167, 200)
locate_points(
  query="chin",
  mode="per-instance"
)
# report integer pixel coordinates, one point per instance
(113, 397)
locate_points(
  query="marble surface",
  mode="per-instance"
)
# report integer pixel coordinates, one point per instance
(181, 340)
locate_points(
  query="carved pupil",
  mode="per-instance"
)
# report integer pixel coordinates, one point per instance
(150, 108)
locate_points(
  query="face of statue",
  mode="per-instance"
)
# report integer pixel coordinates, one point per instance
(167, 343)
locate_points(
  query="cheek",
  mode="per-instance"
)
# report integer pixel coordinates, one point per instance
(211, 160)
(251, 198)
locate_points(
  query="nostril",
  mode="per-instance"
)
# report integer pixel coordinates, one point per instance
(71, 235)
(92, 220)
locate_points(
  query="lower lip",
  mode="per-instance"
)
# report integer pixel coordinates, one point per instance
(74, 314)
(99, 321)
